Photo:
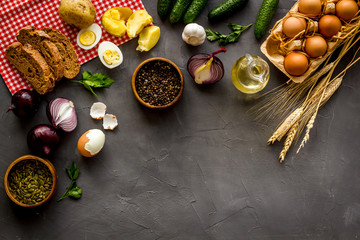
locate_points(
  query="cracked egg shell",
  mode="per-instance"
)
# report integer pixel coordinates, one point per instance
(88, 37)
(91, 142)
(110, 55)
(97, 110)
(110, 122)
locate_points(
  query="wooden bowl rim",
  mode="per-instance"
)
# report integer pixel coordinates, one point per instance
(176, 99)
(47, 163)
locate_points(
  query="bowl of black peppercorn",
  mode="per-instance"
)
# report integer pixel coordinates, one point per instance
(157, 83)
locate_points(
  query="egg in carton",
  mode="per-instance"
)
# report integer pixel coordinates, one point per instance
(277, 46)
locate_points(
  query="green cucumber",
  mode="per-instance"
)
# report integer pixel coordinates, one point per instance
(178, 10)
(194, 10)
(225, 9)
(163, 7)
(267, 11)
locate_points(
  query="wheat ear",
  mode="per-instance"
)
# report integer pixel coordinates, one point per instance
(329, 91)
(286, 125)
(309, 126)
(288, 142)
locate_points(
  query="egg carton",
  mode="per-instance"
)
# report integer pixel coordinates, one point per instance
(272, 50)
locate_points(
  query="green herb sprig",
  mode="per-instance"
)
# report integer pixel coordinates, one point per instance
(97, 80)
(73, 190)
(222, 39)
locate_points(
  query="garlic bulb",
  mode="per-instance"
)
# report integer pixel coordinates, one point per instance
(194, 34)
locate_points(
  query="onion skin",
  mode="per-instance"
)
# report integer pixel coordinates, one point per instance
(24, 103)
(62, 115)
(216, 66)
(43, 139)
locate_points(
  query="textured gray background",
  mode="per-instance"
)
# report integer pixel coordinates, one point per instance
(201, 170)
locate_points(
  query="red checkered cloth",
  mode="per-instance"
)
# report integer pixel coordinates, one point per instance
(16, 14)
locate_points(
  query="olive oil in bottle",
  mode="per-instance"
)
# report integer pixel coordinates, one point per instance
(250, 74)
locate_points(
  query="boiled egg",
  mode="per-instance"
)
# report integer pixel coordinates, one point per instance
(310, 8)
(346, 9)
(329, 25)
(109, 54)
(91, 142)
(293, 26)
(315, 46)
(296, 63)
(88, 37)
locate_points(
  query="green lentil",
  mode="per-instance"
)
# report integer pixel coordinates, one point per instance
(158, 83)
(30, 181)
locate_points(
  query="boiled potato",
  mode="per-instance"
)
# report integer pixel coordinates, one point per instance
(137, 21)
(113, 20)
(148, 38)
(79, 13)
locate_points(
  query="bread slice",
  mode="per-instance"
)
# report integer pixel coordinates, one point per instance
(30, 63)
(67, 51)
(40, 41)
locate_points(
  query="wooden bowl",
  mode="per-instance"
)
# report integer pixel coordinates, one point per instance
(47, 163)
(133, 80)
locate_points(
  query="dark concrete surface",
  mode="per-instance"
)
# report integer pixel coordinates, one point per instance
(200, 170)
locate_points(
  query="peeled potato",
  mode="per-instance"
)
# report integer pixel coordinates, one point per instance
(137, 21)
(113, 20)
(79, 13)
(148, 38)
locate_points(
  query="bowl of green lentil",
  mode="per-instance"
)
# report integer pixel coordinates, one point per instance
(30, 181)
(157, 83)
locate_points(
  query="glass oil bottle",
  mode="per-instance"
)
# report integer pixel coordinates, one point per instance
(250, 74)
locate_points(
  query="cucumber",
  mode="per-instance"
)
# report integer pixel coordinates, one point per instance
(224, 9)
(163, 7)
(178, 10)
(267, 11)
(194, 10)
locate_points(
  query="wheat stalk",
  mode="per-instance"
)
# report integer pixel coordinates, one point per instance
(329, 91)
(288, 142)
(286, 125)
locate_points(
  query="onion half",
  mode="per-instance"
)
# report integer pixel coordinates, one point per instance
(62, 114)
(206, 68)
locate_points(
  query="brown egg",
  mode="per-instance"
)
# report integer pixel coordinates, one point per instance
(293, 25)
(346, 9)
(310, 8)
(91, 142)
(329, 25)
(296, 63)
(315, 46)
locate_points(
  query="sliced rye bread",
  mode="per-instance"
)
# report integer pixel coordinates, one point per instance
(30, 63)
(67, 51)
(40, 41)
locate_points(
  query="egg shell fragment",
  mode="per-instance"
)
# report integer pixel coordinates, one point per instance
(91, 142)
(106, 45)
(110, 122)
(93, 28)
(97, 110)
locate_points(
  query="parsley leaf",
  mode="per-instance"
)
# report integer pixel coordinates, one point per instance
(222, 39)
(97, 80)
(73, 190)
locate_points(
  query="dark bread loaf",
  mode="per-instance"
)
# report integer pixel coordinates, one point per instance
(67, 51)
(40, 41)
(30, 63)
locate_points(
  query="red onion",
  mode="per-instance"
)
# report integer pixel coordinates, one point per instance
(206, 68)
(24, 103)
(62, 114)
(43, 139)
